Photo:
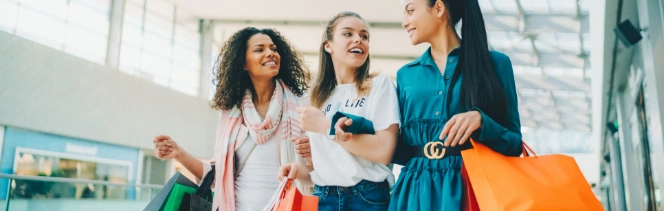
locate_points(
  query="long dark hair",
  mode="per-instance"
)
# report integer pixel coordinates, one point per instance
(326, 80)
(232, 80)
(481, 86)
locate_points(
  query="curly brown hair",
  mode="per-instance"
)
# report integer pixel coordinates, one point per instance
(232, 80)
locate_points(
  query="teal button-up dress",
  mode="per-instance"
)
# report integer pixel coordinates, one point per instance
(426, 184)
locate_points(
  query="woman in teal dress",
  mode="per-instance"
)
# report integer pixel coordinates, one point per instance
(456, 90)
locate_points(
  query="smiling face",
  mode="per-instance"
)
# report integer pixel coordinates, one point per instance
(350, 42)
(422, 21)
(262, 58)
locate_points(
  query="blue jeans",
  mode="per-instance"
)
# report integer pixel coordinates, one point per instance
(365, 196)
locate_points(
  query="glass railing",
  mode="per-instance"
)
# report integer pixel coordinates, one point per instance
(35, 193)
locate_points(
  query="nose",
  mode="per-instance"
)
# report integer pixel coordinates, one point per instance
(271, 53)
(358, 38)
(405, 22)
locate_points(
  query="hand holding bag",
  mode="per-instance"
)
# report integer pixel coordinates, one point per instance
(201, 200)
(289, 198)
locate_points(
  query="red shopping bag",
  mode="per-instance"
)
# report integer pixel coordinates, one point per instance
(289, 198)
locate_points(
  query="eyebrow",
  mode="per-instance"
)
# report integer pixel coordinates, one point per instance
(406, 7)
(262, 45)
(363, 30)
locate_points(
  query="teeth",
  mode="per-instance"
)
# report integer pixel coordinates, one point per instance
(271, 63)
(356, 50)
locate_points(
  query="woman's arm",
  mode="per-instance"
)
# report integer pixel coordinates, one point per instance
(378, 147)
(504, 139)
(167, 148)
(481, 127)
(356, 134)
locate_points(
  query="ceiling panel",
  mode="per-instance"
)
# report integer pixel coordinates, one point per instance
(547, 43)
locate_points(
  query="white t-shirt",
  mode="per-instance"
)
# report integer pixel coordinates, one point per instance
(334, 166)
(258, 179)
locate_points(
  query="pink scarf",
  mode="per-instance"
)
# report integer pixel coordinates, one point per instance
(280, 122)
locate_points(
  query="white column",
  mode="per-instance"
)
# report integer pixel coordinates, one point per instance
(206, 58)
(115, 33)
(652, 45)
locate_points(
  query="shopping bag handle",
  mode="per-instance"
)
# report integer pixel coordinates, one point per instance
(525, 148)
(285, 185)
(205, 191)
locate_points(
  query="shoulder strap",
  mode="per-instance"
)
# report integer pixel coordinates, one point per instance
(239, 169)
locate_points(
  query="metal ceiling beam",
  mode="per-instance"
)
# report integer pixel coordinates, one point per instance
(537, 23)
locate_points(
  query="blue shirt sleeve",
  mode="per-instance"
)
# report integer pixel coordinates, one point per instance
(401, 154)
(506, 139)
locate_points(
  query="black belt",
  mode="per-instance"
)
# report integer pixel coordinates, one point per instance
(436, 150)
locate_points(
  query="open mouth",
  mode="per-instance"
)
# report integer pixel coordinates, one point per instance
(270, 63)
(356, 51)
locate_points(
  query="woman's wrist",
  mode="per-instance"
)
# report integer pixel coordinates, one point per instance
(325, 126)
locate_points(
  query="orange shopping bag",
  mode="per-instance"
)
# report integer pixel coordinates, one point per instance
(550, 182)
(289, 198)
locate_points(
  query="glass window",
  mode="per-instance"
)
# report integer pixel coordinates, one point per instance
(563, 6)
(74, 26)
(157, 44)
(133, 14)
(8, 15)
(162, 44)
(130, 58)
(32, 24)
(539, 7)
(186, 57)
(184, 80)
(85, 16)
(569, 42)
(85, 44)
(56, 9)
(486, 5)
(508, 6)
(36, 164)
(155, 67)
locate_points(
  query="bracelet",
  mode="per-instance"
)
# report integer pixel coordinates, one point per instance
(328, 136)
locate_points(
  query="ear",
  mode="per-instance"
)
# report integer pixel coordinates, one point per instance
(440, 9)
(327, 47)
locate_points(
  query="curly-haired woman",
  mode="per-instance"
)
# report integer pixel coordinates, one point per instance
(259, 81)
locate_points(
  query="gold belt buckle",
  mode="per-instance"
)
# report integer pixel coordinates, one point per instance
(435, 153)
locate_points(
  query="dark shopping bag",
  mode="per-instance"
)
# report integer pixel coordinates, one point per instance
(201, 200)
(158, 203)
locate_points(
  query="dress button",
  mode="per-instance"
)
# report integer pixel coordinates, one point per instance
(451, 60)
(447, 77)
(440, 92)
(437, 113)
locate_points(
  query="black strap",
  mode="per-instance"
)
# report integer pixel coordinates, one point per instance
(418, 151)
(205, 189)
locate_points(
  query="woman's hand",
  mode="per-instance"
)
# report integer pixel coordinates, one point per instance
(289, 171)
(312, 119)
(302, 147)
(340, 129)
(459, 128)
(296, 171)
(165, 148)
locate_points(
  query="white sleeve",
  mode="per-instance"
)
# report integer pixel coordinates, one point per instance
(384, 104)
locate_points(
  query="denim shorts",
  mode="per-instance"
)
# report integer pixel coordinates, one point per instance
(364, 196)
